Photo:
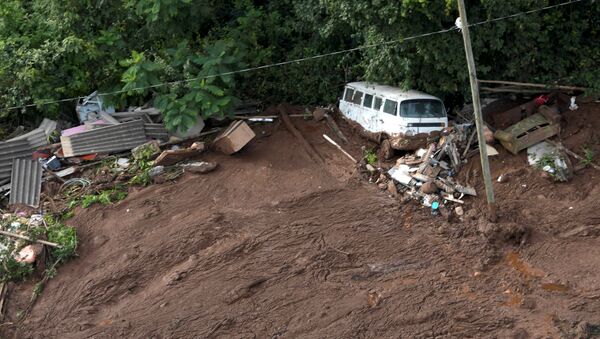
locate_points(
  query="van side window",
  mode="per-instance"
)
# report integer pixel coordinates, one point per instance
(390, 107)
(349, 94)
(368, 100)
(357, 99)
(378, 102)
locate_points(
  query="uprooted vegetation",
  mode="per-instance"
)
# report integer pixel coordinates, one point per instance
(17, 254)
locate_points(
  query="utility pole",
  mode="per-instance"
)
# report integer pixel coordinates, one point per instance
(485, 165)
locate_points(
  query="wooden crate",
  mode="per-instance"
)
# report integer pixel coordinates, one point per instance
(526, 132)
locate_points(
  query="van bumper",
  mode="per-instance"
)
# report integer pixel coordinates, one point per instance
(403, 142)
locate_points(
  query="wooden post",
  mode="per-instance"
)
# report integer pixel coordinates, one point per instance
(485, 166)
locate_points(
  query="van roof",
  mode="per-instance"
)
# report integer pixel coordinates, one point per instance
(390, 91)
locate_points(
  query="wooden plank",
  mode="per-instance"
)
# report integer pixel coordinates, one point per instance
(528, 84)
(312, 152)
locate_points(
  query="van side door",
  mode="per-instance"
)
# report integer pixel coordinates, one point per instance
(390, 122)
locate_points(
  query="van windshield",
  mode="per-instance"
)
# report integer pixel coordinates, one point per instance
(422, 108)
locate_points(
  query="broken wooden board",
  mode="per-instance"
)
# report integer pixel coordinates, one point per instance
(172, 157)
(526, 133)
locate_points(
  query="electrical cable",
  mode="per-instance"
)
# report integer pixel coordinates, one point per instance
(299, 60)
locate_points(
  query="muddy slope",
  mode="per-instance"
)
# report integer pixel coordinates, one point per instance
(275, 245)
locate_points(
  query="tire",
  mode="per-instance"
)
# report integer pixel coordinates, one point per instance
(386, 152)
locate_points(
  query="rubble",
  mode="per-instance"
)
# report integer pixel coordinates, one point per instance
(427, 174)
(550, 159)
(200, 167)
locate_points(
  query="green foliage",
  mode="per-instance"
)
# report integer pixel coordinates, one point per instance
(65, 236)
(371, 157)
(141, 167)
(105, 197)
(52, 230)
(588, 156)
(53, 49)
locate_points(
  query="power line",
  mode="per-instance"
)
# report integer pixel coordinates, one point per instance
(314, 57)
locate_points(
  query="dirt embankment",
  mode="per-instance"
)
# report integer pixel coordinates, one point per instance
(273, 244)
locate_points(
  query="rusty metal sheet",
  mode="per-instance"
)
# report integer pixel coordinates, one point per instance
(26, 182)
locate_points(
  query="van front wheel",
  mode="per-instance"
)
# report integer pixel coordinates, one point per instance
(385, 150)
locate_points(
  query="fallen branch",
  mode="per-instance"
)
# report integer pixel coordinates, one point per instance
(312, 152)
(509, 90)
(18, 236)
(527, 84)
(469, 142)
(571, 153)
(340, 148)
(3, 293)
(336, 129)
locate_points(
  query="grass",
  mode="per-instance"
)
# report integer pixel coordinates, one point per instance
(588, 156)
(105, 197)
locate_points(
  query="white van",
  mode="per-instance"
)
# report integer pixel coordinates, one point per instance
(393, 112)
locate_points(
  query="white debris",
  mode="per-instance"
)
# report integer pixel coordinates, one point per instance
(458, 23)
(401, 174)
(573, 106)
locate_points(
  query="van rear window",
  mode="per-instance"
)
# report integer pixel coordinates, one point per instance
(349, 94)
(368, 100)
(390, 107)
(357, 99)
(422, 108)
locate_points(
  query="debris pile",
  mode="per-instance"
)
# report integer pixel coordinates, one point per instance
(427, 175)
(28, 160)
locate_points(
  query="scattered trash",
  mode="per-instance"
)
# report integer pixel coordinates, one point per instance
(123, 163)
(200, 167)
(90, 107)
(550, 159)
(435, 208)
(28, 254)
(459, 211)
(155, 171)
(491, 151)
(573, 106)
(234, 138)
(52, 164)
(192, 132)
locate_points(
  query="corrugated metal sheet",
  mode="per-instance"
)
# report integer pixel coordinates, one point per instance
(23, 146)
(156, 131)
(108, 139)
(10, 150)
(39, 136)
(26, 182)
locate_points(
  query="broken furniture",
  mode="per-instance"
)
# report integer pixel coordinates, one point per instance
(527, 132)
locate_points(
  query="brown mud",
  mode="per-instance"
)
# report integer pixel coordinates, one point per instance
(273, 244)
